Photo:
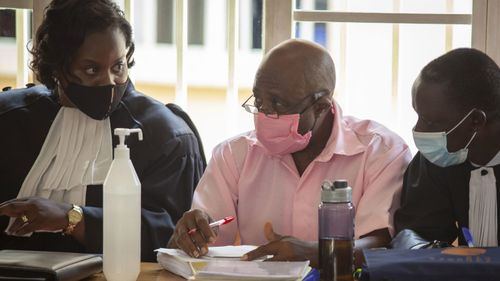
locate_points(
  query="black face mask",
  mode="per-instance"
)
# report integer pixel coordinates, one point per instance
(97, 102)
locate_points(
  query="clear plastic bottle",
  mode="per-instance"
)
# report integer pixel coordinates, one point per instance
(122, 215)
(336, 232)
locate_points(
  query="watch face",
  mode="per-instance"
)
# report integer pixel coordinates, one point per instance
(74, 216)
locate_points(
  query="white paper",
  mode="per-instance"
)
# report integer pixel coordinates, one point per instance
(229, 251)
(223, 263)
(257, 270)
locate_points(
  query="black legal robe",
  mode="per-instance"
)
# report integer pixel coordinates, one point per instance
(435, 200)
(168, 163)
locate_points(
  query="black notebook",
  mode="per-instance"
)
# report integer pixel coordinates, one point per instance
(47, 266)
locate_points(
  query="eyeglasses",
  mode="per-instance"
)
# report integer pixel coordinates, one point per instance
(254, 106)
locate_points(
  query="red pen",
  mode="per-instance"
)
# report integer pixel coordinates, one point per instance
(223, 221)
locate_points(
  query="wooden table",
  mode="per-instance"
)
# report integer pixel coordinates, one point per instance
(149, 272)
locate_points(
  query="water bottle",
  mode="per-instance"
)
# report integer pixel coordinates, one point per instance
(336, 232)
(122, 215)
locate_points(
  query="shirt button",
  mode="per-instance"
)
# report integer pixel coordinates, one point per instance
(484, 172)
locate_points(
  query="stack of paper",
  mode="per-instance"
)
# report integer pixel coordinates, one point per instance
(222, 263)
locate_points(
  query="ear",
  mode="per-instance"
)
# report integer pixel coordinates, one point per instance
(321, 106)
(61, 79)
(479, 119)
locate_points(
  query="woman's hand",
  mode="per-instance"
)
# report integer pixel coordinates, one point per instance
(284, 248)
(194, 243)
(35, 214)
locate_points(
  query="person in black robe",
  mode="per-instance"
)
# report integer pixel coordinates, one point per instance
(83, 48)
(451, 183)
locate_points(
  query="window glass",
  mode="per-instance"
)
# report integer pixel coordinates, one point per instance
(387, 6)
(7, 23)
(377, 63)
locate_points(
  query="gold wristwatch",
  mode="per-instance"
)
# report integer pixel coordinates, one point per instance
(75, 215)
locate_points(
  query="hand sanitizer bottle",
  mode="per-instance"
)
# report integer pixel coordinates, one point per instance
(122, 215)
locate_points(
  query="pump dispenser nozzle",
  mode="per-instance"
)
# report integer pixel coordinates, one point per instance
(121, 149)
(122, 132)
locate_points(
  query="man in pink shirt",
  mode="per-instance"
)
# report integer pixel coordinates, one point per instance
(272, 176)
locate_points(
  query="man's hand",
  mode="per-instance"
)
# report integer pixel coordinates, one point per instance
(375, 239)
(284, 248)
(34, 214)
(195, 243)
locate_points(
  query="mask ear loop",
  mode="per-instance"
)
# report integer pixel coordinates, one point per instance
(63, 80)
(314, 124)
(60, 91)
(471, 139)
(317, 97)
(456, 126)
(461, 121)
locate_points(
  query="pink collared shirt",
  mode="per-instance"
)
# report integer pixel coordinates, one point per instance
(241, 180)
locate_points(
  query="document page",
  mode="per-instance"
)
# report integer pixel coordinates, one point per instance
(223, 263)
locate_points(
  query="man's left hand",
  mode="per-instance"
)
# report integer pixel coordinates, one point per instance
(284, 248)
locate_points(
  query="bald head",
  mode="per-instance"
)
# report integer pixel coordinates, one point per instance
(298, 77)
(298, 66)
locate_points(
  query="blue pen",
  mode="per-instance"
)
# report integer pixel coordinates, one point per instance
(313, 275)
(468, 236)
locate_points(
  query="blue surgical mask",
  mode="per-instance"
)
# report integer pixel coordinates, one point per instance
(433, 146)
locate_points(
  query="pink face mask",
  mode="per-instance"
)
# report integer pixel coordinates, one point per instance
(280, 135)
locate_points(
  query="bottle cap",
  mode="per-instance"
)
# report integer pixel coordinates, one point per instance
(338, 192)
